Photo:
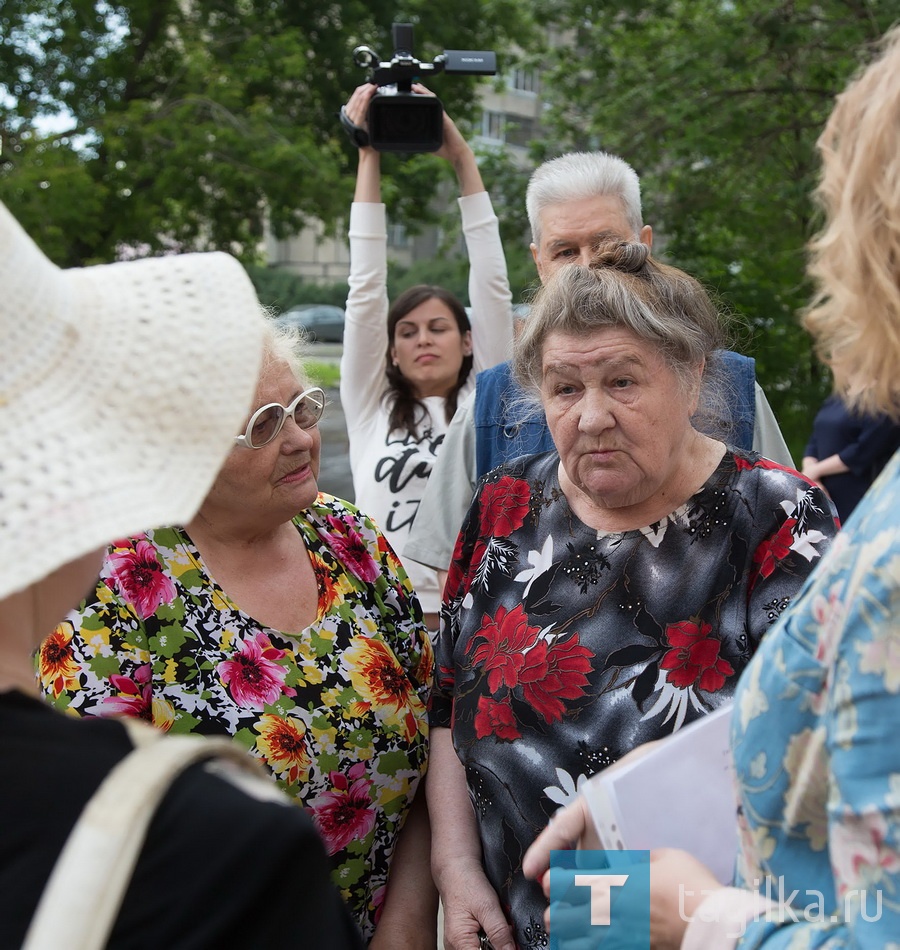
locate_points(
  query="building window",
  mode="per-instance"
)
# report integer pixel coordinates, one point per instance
(519, 131)
(397, 236)
(525, 80)
(492, 126)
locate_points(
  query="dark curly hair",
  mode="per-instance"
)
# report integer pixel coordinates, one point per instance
(403, 401)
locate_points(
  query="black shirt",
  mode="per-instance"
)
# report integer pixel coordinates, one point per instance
(219, 867)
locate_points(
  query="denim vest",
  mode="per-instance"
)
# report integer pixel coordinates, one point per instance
(504, 428)
(740, 377)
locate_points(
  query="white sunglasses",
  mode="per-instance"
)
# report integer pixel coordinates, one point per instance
(266, 422)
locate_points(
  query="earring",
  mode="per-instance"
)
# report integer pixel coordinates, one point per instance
(396, 362)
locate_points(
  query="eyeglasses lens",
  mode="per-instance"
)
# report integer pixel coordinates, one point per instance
(266, 425)
(309, 411)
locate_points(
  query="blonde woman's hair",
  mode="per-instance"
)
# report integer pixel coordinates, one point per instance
(855, 259)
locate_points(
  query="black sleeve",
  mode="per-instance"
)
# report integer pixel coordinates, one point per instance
(222, 869)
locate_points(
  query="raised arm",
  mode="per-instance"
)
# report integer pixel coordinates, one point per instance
(489, 292)
(365, 329)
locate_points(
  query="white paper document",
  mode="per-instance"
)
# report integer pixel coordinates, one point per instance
(680, 794)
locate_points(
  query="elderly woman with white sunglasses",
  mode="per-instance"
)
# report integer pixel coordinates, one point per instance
(279, 616)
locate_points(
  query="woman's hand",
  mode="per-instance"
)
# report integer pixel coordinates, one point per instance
(357, 106)
(457, 151)
(679, 883)
(570, 827)
(470, 903)
(368, 174)
(470, 908)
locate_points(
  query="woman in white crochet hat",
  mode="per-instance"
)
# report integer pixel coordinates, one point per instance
(121, 387)
(281, 617)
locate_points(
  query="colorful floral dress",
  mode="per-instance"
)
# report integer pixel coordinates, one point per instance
(816, 751)
(338, 712)
(561, 648)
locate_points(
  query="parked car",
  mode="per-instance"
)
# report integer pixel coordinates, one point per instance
(321, 321)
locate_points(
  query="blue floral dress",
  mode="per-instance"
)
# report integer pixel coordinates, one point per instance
(562, 648)
(338, 712)
(816, 747)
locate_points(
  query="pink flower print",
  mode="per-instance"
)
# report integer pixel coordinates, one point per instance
(135, 695)
(139, 577)
(350, 549)
(345, 813)
(253, 677)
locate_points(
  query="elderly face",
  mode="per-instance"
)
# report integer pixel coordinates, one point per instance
(619, 416)
(571, 230)
(275, 482)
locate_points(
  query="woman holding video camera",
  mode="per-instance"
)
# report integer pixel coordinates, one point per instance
(397, 413)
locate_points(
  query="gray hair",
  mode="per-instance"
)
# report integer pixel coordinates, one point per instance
(285, 343)
(580, 176)
(625, 287)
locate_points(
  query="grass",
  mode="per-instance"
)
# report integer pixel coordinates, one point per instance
(326, 375)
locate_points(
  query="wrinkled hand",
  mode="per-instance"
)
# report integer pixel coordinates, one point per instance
(471, 906)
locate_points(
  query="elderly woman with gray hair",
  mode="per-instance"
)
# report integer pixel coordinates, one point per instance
(278, 615)
(603, 594)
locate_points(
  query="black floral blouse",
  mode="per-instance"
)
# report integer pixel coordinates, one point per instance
(562, 648)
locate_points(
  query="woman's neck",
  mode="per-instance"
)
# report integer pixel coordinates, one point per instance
(18, 640)
(215, 531)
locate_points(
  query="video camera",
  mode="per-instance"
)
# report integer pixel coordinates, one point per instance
(399, 119)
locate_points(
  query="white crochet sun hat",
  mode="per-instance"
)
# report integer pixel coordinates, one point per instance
(122, 387)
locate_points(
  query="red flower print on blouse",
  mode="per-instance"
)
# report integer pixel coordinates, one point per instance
(56, 663)
(776, 549)
(135, 695)
(554, 673)
(350, 549)
(694, 658)
(345, 813)
(501, 644)
(139, 577)
(504, 506)
(495, 718)
(252, 676)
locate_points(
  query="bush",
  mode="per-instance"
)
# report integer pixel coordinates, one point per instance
(281, 290)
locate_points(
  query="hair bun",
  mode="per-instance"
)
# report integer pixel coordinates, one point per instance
(626, 256)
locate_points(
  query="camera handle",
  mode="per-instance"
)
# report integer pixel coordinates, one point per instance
(404, 68)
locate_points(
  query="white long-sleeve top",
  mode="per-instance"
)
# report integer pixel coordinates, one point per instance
(390, 469)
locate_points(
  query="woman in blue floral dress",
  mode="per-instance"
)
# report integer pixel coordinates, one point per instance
(814, 729)
(605, 594)
(281, 617)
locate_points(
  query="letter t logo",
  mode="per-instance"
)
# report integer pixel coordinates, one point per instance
(600, 885)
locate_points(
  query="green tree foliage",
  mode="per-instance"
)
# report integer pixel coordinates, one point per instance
(718, 104)
(193, 121)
